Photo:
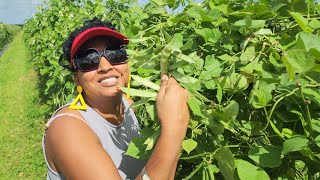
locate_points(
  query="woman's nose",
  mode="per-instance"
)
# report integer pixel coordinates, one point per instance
(104, 64)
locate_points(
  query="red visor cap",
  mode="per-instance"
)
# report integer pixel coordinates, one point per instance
(93, 32)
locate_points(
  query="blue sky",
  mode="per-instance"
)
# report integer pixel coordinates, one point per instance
(17, 11)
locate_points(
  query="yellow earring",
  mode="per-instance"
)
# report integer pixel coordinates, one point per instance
(128, 86)
(82, 105)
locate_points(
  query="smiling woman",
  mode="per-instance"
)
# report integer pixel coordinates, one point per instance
(88, 139)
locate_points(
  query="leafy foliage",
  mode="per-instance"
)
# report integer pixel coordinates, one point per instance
(6, 33)
(251, 67)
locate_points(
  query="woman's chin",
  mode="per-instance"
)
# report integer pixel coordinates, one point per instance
(114, 92)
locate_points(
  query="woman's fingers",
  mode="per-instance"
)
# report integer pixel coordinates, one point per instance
(163, 86)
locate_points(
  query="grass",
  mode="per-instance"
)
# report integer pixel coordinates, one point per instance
(21, 116)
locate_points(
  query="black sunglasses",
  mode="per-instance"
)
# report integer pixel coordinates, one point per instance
(89, 59)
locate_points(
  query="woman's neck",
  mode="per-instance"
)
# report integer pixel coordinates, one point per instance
(111, 109)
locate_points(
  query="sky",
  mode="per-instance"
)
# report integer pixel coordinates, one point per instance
(17, 11)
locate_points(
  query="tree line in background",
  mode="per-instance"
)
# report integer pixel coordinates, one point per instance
(6, 33)
(251, 67)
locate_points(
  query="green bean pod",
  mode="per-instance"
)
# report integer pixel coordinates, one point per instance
(164, 59)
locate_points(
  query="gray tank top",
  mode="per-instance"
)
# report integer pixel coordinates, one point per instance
(114, 139)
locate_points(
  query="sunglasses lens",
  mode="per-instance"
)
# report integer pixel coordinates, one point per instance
(88, 60)
(116, 56)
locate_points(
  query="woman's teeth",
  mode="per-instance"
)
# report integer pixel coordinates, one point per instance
(109, 80)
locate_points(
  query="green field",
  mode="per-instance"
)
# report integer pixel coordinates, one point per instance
(21, 120)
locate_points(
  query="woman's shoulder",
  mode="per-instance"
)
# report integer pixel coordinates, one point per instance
(67, 121)
(66, 130)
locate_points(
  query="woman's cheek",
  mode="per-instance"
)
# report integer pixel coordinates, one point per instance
(124, 71)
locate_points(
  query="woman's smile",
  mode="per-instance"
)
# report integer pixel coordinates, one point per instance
(109, 81)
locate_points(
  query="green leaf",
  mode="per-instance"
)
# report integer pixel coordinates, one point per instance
(234, 82)
(141, 102)
(317, 141)
(248, 55)
(226, 162)
(194, 105)
(133, 148)
(232, 109)
(49, 84)
(177, 41)
(247, 171)
(219, 93)
(286, 132)
(266, 156)
(212, 68)
(263, 32)
(314, 23)
(257, 24)
(198, 12)
(263, 95)
(99, 9)
(295, 143)
(312, 94)
(139, 93)
(297, 61)
(223, 8)
(137, 147)
(159, 2)
(183, 78)
(211, 35)
(249, 23)
(226, 57)
(139, 40)
(189, 145)
(146, 82)
(255, 10)
(213, 168)
(315, 125)
(303, 22)
(151, 109)
(186, 58)
(152, 140)
(309, 42)
(215, 126)
(192, 89)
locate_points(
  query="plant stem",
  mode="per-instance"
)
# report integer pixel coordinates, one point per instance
(275, 129)
(307, 112)
(194, 156)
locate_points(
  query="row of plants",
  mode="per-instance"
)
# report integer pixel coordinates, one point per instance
(252, 69)
(6, 33)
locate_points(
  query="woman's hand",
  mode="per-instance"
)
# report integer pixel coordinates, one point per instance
(172, 108)
(173, 113)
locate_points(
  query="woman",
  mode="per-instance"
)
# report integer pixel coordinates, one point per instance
(87, 139)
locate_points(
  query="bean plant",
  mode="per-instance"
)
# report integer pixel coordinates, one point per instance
(251, 69)
(6, 33)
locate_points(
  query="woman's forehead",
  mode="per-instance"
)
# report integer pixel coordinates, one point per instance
(97, 42)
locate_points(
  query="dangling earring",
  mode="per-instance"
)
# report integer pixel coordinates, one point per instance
(82, 105)
(128, 86)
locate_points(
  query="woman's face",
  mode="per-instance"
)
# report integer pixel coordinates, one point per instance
(105, 81)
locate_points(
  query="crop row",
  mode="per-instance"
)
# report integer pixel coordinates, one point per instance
(6, 33)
